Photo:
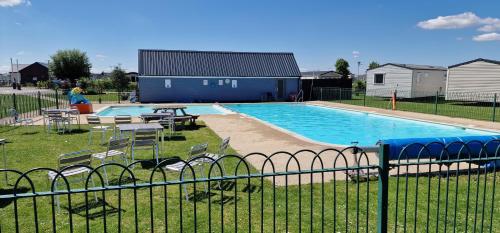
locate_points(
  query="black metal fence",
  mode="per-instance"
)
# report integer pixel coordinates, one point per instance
(330, 191)
(29, 104)
(472, 105)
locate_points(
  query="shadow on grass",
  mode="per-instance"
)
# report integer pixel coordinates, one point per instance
(124, 180)
(95, 209)
(151, 163)
(7, 201)
(175, 138)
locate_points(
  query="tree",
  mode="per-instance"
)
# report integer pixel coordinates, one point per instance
(70, 64)
(373, 65)
(119, 79)
(342, 67)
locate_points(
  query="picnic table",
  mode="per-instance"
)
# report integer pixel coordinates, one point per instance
(67, 112)
(143, 126)
(179, 112)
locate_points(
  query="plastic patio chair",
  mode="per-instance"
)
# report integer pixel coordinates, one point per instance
(145, 139)
(116, 148)
(83, 158)
(96, 126)
(195, 151)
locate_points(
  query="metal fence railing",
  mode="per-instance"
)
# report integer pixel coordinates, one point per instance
(29, 104)
(479, 106)
(303, 192)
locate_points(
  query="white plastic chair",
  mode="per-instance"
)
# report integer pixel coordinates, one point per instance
(71, 159)
(96, 126)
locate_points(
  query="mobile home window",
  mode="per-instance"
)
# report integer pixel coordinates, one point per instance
(234, 83)
(221, 82)
(205, 82)
(378, 79)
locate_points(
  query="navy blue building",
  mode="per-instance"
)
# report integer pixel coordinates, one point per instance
(207, 76)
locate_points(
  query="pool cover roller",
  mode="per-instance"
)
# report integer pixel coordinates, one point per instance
(456, 148)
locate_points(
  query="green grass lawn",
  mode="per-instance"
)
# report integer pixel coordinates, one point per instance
(333, 205)
(471, 110)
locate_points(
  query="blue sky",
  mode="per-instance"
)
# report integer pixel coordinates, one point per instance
(317, 32)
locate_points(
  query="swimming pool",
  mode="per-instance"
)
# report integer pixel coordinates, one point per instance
(138, 110)
(342, 127)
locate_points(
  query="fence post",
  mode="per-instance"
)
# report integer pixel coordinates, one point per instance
(494, 106)
(436, 103)
(39, 97)
(383, 188)
(340, 95)
(321, 93)
(364, 98)
(57, 99)
(100, 100)
(119, 97)
(14, 102)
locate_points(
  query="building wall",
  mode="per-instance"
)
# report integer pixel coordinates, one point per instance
(473, 77)
(428, 82)
(35, 70)
(192, 89)
(396, 78)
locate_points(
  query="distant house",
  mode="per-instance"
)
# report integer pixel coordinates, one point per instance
(207, 76)
(132, 76)
(478, 76)
(327, 74)
(30, 73)
(5, 79)
(410, 81)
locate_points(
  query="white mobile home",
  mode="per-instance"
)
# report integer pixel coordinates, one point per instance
(477, 80)
(410, 81)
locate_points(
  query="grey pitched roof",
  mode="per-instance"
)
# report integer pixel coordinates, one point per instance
(22, 66)
(413, 66)
(316, 73)
(475, 60)
(216, 64)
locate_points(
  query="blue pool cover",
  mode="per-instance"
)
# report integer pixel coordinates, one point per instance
(456, 148)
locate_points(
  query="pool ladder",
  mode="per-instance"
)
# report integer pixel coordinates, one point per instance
(300, 96)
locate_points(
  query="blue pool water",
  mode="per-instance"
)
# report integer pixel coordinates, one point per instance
(138, 110)
(342, 127)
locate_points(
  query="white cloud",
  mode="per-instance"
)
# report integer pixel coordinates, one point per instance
(10, 3)
(4, 69)
(20, 53)
(19, 23)
(487, 37)
(459, 38)
(28, 3)
(355, 54)
(100, 57)
(464, 20)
